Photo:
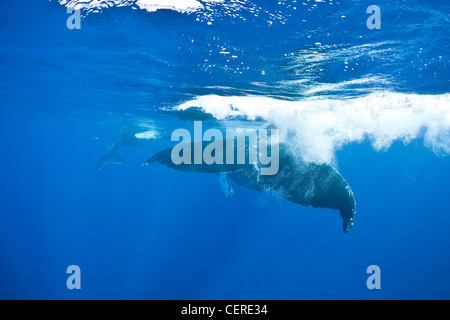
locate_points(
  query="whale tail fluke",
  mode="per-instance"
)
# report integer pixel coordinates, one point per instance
(109, 157)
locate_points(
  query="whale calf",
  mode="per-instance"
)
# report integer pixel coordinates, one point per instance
(308, 184)
(132, 136)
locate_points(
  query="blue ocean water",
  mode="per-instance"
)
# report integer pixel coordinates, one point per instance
(373, 103)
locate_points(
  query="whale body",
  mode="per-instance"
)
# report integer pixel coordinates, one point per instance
(308, 184)
(318, 185)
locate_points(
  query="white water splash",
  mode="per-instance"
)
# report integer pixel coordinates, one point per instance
(317, 127)
(149, 5)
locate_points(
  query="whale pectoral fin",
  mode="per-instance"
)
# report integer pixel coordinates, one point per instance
(348, 219)
(109, 157)
(163, 157)
(225, 184)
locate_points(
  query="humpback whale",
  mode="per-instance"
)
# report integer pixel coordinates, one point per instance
(308, 184)
(132, 136)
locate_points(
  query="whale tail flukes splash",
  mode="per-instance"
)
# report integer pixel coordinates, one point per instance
(109, 157)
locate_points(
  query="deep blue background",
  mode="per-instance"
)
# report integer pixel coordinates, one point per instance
(155, 233)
